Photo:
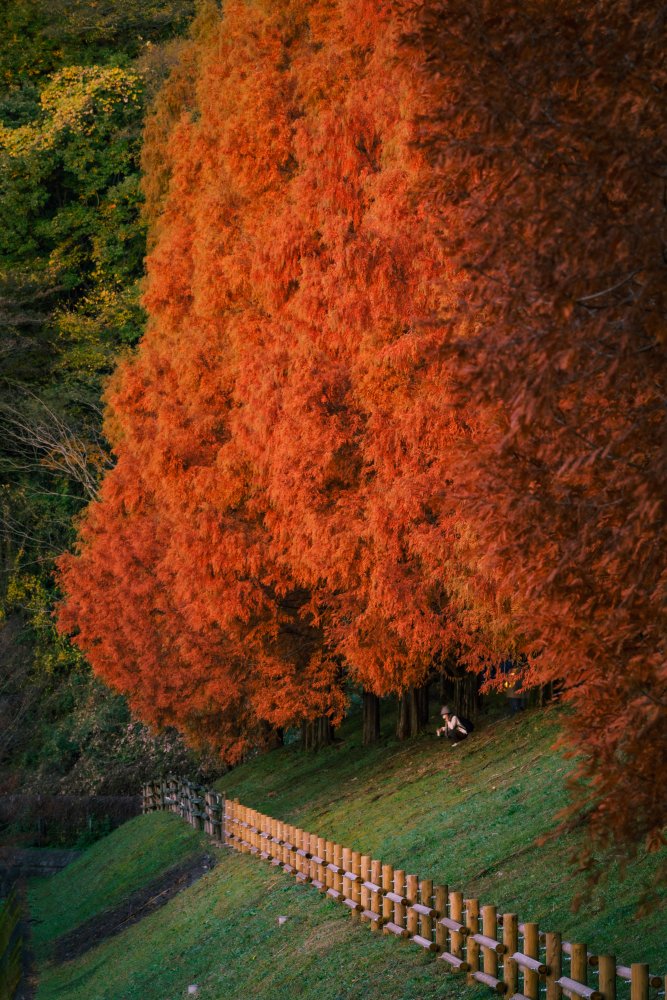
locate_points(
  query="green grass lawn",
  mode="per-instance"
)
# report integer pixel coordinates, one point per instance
(468, 816)
(107, 873)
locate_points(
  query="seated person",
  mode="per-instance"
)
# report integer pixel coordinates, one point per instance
(454, 728)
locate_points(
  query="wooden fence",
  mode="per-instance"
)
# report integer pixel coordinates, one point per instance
(512, 958)
(11, 947)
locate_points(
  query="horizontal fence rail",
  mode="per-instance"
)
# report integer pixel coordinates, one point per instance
(513, 959)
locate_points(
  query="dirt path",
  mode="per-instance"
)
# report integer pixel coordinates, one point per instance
(135, 908)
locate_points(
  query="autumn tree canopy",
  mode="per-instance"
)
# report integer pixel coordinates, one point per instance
(399, 398)
(546, 133)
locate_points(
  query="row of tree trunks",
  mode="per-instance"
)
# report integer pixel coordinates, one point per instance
(317, 733)
(413, 712)
(460, 692)
(370, 718)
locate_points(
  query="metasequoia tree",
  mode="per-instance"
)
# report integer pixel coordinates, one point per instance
(346, 414)
(545, 128)
(282, 433)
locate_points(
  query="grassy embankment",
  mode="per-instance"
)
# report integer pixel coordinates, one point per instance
(468, 816)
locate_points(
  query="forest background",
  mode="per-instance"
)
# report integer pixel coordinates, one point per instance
(399, 408)
(75, 81)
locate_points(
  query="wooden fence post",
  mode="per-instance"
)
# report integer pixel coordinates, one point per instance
(579, 963)
(639, 981)
(531, 948)
(426, 899)
(412, 893)
(511, 942)
(376, 900)
(329, 855)
(347, 867)
(472, 923)
(456, 913)
(400, 890)
(554, 958)
(607, 976)
(338, 880)
(440, 903)
(356, 885)
(490, 930)
(364, 894)
(387, 886)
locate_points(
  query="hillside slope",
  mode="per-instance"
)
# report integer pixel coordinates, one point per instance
(467, 815)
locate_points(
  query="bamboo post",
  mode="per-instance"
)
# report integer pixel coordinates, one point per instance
(440, 904)
(376, 901)
(319, 846)
(356, 886)
(322, 853)
(283, 835)
(579, 964)
(307, 867)
(511, 942)
(298, 846)
(490, 930)
(213, 802)
(554, 961)
(400, 890)
(456, 913)
(364, 894)
(293, 839)
(531, 948)
(639, 981)
(347, 867)
(310, 848)
(240, 830)
(227, 825)
(607, 976)
(329, 855)
(472, 923)
(387, 886)
(338, 861)
(412, 893)
(426, 898)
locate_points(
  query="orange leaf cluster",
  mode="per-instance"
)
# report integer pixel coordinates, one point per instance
(401, 396)
(279, 517)
(546, 131)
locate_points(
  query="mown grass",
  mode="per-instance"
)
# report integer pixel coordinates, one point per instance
(223, 934)
(468, 816)
(107, 873)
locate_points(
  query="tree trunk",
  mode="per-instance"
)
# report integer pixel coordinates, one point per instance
(403, 718)
(466, 695)
(412, 712)
(423, 693)
(370, 719)
(316, 733)
(272, 736)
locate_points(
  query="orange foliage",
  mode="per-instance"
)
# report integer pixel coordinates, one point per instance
(281, 434)
(400, 393)
(546, 135)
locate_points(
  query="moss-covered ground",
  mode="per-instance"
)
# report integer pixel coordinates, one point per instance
(469, 816)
